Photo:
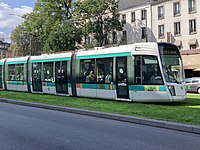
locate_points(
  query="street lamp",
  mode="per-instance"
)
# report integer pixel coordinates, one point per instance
(31, 35)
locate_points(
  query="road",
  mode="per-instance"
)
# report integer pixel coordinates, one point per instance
(28, 128)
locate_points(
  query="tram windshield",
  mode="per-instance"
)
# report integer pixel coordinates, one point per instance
(171, 63)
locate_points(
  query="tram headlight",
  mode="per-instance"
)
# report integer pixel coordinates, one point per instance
(172, 90)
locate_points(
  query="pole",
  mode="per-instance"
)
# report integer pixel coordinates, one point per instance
(30, 44)
(146, 38)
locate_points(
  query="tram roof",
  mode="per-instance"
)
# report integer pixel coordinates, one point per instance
(51, 57)
(18, 60)
(124, 50)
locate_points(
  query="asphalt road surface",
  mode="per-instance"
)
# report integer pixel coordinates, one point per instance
(28, 128)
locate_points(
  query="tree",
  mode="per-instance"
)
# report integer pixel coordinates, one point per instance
(99, 18)
(48, 20)
(65, 37)
(19, 44)
(23, 42)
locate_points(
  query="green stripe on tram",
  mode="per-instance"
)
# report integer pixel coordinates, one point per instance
(104, 55)
(17, 82)
(17, 62)
(159, 88)
(51, 60)
(96, 86)
(48, 83)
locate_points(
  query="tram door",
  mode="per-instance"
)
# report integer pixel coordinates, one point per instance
(121, 78)
(61, 77)
(1, 77)
(37, 77)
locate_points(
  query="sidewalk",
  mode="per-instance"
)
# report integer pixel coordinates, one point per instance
(131, 119)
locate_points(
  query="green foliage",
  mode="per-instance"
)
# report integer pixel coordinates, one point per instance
(64, 38)
(88, 46)
(99, 18)
(59, 25)
(24, 42)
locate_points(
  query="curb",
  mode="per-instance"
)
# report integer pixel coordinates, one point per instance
(124, 118)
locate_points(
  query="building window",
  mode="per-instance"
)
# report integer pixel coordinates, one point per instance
(124, 36)
(88, 40)
(161, 31)
(192, 6)
(143, 32)
(177, 28)
(124, 18)
(114, 36)
(192, 26)
(143, 14)
(133, 17)
(161, 12)
(177, 9)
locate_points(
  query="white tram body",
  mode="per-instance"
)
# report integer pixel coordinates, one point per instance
(129, 89)
(141, 72)
(46, 69)
(16, 74)
(2, 84)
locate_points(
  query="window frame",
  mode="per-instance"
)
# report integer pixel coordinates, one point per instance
(49, 75)
(86, 66)
(124, 36)
(161, 12)
(142, 78)
(107, 76)
(177, 28)
(177, 9)
(133, 16)
(161, 31)
(123, 18)
(192, 26)
(191, 6)
(143, 14)
(18, 73)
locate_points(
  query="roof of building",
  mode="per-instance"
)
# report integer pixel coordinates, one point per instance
(125, 4)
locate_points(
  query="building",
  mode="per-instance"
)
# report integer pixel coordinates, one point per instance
(136, 18)
(4, 47)
(174, 21)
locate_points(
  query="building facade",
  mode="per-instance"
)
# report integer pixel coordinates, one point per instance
(4, 48)
(177, 21)
(136, 19)
(174, 21)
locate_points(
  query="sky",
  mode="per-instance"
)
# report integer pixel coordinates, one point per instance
(10, 15)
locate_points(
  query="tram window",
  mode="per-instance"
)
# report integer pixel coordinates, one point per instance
(87, 70)
(147, 71)
(16, 72)
(104, 70)
(11, 72)
(48, 72)
(19, 69)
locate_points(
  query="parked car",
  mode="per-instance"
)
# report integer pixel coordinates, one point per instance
(193, 84)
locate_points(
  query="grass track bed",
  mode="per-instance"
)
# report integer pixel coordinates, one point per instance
(187, 111)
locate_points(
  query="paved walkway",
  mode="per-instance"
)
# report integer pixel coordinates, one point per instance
(131, 119)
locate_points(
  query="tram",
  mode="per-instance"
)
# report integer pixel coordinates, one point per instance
(141, 72)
